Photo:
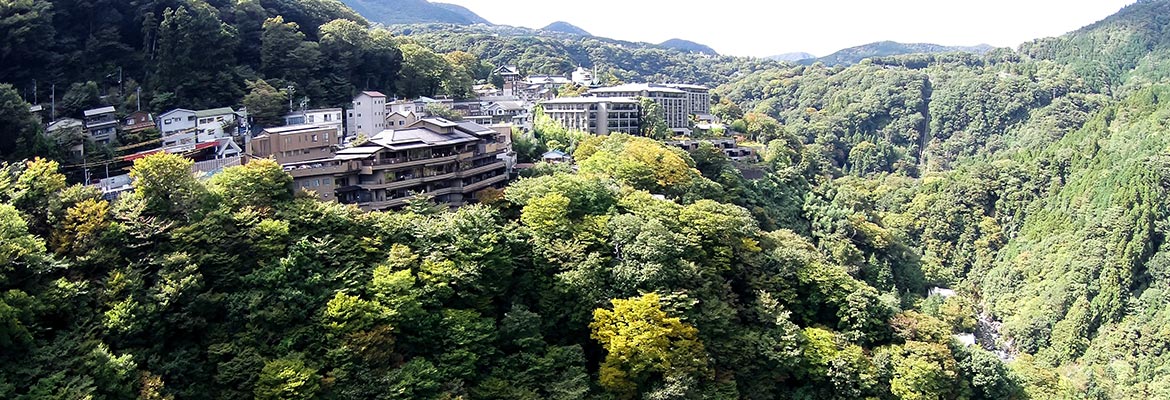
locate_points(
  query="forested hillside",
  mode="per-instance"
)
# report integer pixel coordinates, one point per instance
(1031, 182)
(854, 55)
(544, 52)
(1040, 186)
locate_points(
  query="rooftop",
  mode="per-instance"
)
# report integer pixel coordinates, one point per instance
(687, 86)
(297, 128)
(589, 100)
(214, 112)
(372, 93)
(637, 87)
(99, 111)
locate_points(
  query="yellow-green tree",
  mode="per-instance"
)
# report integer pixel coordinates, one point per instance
(642, 343)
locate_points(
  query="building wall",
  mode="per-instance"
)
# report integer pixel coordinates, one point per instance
(211, 127)
(176, 122)
(297, 146)
(368, 115)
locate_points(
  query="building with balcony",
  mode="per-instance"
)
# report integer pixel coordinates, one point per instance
(675, 103)
(296, 143)
(698, 98)
(447, 161)
(101, 124)
(177, 126)
(596, 115)
(215, 123)
(137, 121)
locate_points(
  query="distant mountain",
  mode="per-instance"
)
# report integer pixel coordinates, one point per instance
(791, 56)
(414, 11)
(854, 55)
(464, 12)
(565, 27)
(688, 46)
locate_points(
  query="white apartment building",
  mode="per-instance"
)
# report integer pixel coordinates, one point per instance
(368, 115)
(331, 117)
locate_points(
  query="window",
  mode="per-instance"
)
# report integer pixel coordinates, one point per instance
(167, 121)
(401, 122)
(314, 138)
(326, 137)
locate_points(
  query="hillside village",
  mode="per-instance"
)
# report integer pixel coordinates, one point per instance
(380, 151)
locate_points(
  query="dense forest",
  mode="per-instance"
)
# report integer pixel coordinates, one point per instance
(1030, 181)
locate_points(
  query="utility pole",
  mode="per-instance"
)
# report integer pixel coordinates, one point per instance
(290, 90)
(138, 98)
(35, 92)
(53, 108)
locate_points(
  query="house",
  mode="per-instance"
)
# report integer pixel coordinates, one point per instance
(137, 121)
(367, 116)
(101, 124)
(511, 78)
(296, 143)
(675, 103)
(596, 115)
(69, 131)
(177, 126)
(398, 119)
(447, 161)
(554, 157)
(323, 116)
(215, 123)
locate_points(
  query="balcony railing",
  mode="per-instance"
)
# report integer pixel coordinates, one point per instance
(484, 183)
(317, 169)
(482, 169)
(401, 201)
(400, 162)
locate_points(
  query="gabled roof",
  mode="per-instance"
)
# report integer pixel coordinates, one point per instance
(554, 154)
(506, 70)
(100, 111)
(214, 112)
(64, 123)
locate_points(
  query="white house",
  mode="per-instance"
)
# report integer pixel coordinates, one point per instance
(177, 126)
(212, 123)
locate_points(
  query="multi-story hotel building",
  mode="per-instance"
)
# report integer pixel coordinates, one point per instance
(447, 161)
(596, 115)
(674, 102)
(698, 97)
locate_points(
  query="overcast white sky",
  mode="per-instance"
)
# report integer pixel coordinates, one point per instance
(763, 28)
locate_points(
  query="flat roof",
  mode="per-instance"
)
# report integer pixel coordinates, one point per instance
(215, 111)
(99, 111)
(297, 128)
(589, 100)
(638, 87)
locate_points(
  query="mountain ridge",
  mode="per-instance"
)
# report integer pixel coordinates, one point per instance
(854, 55)
(565, 27)
(392, 12)
(688, 46)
